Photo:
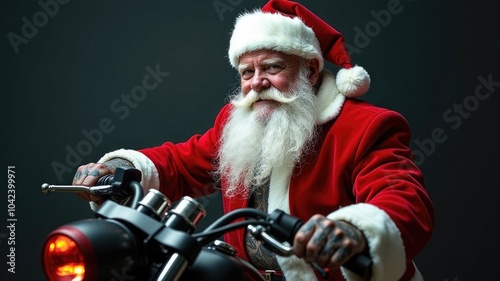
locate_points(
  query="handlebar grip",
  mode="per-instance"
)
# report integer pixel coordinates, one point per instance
(107, 179)
(361, 265)
(285, 227)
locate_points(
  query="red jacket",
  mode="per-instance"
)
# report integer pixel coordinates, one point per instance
(361, 172)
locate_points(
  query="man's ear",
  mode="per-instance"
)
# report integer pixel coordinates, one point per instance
(313, 66)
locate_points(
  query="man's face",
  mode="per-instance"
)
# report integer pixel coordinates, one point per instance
(254, 141)
(263, 70)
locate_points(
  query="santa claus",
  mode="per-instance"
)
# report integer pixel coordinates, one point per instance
(296, 137)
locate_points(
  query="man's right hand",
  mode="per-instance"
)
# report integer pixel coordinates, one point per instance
(89, 174)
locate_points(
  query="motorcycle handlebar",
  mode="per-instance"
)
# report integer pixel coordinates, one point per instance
(271, 228)
(282, 227)
(124, 184)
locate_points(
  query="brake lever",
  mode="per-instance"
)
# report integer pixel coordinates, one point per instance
(282, 249)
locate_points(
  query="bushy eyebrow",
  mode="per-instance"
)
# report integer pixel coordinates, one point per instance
(243, 66)
(268, 61)
(271, 61)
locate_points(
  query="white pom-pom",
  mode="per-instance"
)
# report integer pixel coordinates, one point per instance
(353, 82)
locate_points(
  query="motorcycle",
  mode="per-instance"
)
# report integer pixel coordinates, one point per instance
(145, 237)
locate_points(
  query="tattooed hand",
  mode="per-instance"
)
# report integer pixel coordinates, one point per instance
(328, 243)
(88, 175)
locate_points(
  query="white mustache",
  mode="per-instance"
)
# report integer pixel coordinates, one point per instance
(269, 94)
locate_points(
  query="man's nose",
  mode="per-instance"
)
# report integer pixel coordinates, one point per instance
(260, 82)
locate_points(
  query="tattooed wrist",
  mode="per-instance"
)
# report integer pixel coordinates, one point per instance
(117, 162)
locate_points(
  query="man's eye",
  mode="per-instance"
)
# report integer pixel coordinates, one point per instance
(274, 67)
(247, 73)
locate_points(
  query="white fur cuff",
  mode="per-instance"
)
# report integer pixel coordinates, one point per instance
(383, 237)
(150, 176)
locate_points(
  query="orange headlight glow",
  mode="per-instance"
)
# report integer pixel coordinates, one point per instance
(63, 259)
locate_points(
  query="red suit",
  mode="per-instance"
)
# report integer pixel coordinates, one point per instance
(361, 172)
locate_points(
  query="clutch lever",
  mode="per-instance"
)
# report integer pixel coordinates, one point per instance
(99, 190)
(118, 187)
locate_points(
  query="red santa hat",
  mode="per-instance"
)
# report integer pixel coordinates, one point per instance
(289, 27)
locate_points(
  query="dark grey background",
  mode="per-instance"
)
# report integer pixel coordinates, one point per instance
(424, 62)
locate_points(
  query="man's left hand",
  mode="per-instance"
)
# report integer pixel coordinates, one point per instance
(327, 242)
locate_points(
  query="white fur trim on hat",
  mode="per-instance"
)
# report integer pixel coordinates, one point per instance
(272, 31)
(384, 240)
(353, 82)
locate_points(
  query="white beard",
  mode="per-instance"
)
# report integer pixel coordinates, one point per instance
(251, 146)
